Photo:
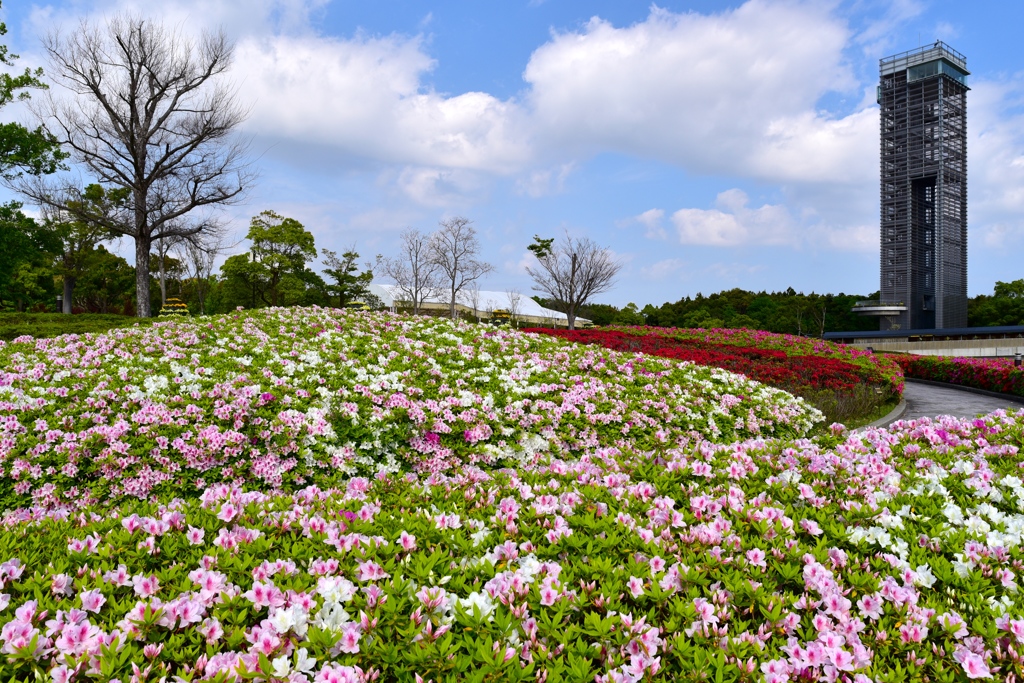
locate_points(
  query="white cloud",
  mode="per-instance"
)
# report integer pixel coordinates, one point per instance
(713, 93)
(812, 148)
(732, 272)
(863, 238)
(879, 35)
(651, 219)
(519, 265)
(996, 161)
(439, 187)
(664, 269)
(544, 182)
(1001, 235)
(238, 19)
(730, 92)
(734, 224)
(946, 31)
(364, 98)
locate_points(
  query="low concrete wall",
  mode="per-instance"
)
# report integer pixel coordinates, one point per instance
(976, 348)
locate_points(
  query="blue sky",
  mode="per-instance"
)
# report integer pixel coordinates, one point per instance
(709, 145)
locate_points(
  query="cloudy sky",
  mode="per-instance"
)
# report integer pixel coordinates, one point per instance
(708, 144)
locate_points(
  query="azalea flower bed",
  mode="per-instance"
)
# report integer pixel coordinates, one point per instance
(280, 399)
(991, 374)
(877, 556)
(875, 368)
(317, 496)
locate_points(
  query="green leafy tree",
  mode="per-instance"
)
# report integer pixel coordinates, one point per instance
(107, 284)
(244, 281)
(24, 246)
(282, 246)
(1010, 290)
(630, 315)
(1004, 307)
(702, 318)
(348, 283)
(23, 150)
(26, 252)
(274, 272)
(78, 238)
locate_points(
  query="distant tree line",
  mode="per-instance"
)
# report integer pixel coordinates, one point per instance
(41, 259)
(1004, 307)
(790, 312)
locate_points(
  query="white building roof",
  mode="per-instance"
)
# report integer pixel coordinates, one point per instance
(488, 301)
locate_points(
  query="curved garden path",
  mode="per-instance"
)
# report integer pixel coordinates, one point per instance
(926, 400)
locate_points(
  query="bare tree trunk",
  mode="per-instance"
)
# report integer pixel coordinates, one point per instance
(163, 273)
(570, 314)
(69, 292)
(515, 299)
(142, 247)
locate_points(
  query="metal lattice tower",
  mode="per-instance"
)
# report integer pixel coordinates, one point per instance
(923, 98)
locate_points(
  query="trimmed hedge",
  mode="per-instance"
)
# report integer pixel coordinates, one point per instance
(990, 374)
(14, 325)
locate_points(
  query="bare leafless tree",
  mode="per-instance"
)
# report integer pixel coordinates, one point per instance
(416, 276)
(515, 305)
(471, 297)
(198, 254)
(572, 271)
(150, 113)
(453, 249)
(164, 246)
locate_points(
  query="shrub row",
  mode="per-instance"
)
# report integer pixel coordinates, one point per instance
(990, 374)
(847, 385)
(14, 325)
(875, 368)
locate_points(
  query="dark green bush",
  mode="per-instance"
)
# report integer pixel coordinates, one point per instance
(14, 325)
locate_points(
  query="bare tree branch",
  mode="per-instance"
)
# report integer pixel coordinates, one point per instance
(515, 305)
(470, 296)
(198, 253)
(572, 272)
(151, 114)
(453, 249)
(415, 275)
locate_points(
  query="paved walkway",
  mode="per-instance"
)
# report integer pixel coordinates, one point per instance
(925, 400)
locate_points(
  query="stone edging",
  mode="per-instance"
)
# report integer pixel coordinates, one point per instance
(973, 390)
(894, 414)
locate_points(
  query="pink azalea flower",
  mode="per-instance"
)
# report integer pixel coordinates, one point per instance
(60, 584)
(227, 512)
(756, 558)
(92, 601)
(265, 595)
(145, 585)
(62, 674)
(195, 536)
(974, 666)
(636, 586)
(871, 607)
(349, 639)
(335, 673)
(211, 630)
